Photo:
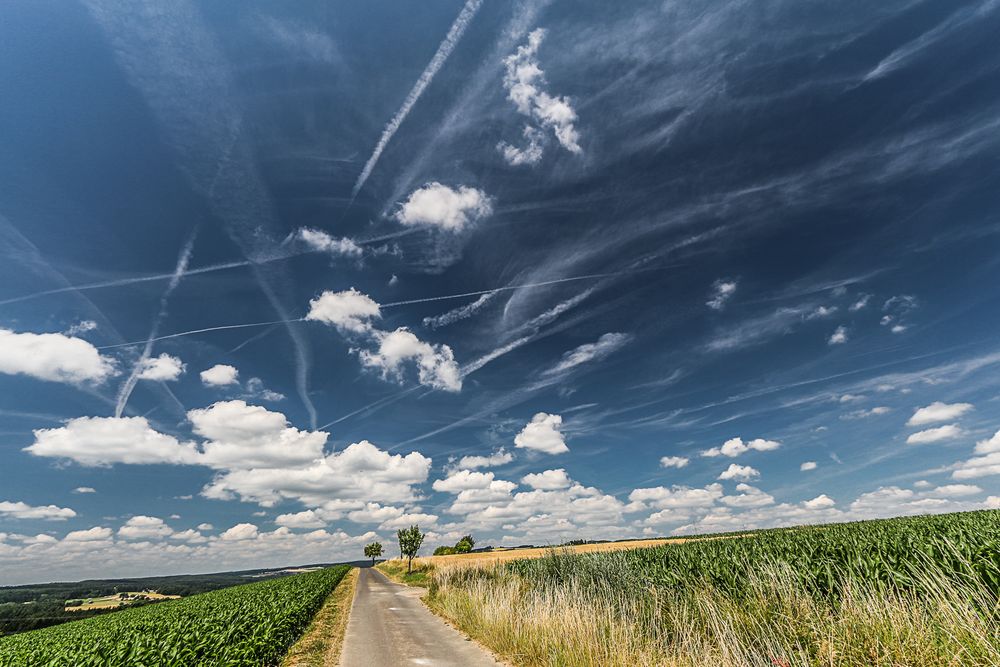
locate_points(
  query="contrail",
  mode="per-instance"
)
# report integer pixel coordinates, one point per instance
(129, 385)
(444, 50)
(508, 288)
(198, 331)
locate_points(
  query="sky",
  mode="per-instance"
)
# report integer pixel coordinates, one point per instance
(277, 279)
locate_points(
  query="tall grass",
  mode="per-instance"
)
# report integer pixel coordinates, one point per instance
(604, 610)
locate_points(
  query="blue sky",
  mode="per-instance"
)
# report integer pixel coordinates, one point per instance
(278, 280)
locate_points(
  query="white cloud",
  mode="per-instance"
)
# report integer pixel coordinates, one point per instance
(992, 503)
(530, 153)
(84, 489)
(361, 471)
(525, 82)
(83, 326)
(374, 513)
(748, 496)
(205, 526)
(240, 532)
(860, 303)
(946, 432)
(20, 510)
(839, 336)
(464, 480)
(101, 441)
(97, 533)
(821, 312)
(955, 490)
(673, 461)
(220, 375)
(144, 528)
(735, 471)
(497, 458)
(255, 389)
(978, 466)
(439, 206)
(938, 412)
(864, 414)
(349, 311)
(807, 465)
(605, 345)
(305, 519)
(436, 366)
(676, 497)
(989, 446)
(164, 368)
(320, 241)
(542, 434)
(821, 501)
(53, 357)
(735, 446)
(249, 436)
(409, 519)
(548, 480)
(722, 291)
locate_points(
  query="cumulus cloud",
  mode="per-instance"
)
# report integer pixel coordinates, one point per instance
(529, 153)
(722, 291)
(359, 472)
(956, 490)
(860, 303)
(542, 434)
(349, 311)
(240, 532)
(605, 345)
(821, 312)
(839, 336)
(979, 466)
(548, 480)
(102, 441)
(747, 496)
(735, 446)
(97, 533)
(525, 84)
(304, 519)
(938, 412)
(946, 432)
(497, 458)
(144, 528)
(164, 368)
(239, 435)
(436, 366)
(54, 357)
(807, 465)
(320, 241)
(352, 312)
(736, 471)
(676, 497)
(673, 461)
(20, 510)
(255, 389)
(442, 207)
(821, 501)
(84, 489)
(220, 375)
(878, 410)
(989, 446)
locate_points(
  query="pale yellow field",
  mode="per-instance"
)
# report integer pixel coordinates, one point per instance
(109, 601)
(538, 552)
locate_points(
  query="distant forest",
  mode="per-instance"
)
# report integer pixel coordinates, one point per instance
(39, 605)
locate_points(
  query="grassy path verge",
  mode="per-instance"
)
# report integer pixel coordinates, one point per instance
(323, 640)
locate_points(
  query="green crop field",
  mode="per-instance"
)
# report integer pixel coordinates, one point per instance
(909, 591)
(252, 624)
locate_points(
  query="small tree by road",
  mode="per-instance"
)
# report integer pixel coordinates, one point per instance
(410, 540)
(373, 551)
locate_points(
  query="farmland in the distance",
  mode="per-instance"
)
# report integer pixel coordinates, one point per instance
(909, 591)
(252, 624)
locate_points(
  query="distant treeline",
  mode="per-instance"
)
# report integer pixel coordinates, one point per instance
(39, 605)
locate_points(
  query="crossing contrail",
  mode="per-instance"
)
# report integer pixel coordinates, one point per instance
(129, 385)
(224, 327)
(444, 50)
(507, 288)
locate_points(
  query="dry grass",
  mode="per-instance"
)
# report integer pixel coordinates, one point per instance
(323, 640)
(778, 624)
(498, 555)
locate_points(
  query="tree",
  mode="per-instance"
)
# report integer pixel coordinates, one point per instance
(373, 551)
(465, 545)
(410, 540)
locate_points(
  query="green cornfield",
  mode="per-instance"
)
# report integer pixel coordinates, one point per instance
(916, 591)
(252, 624)
(883, 555)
